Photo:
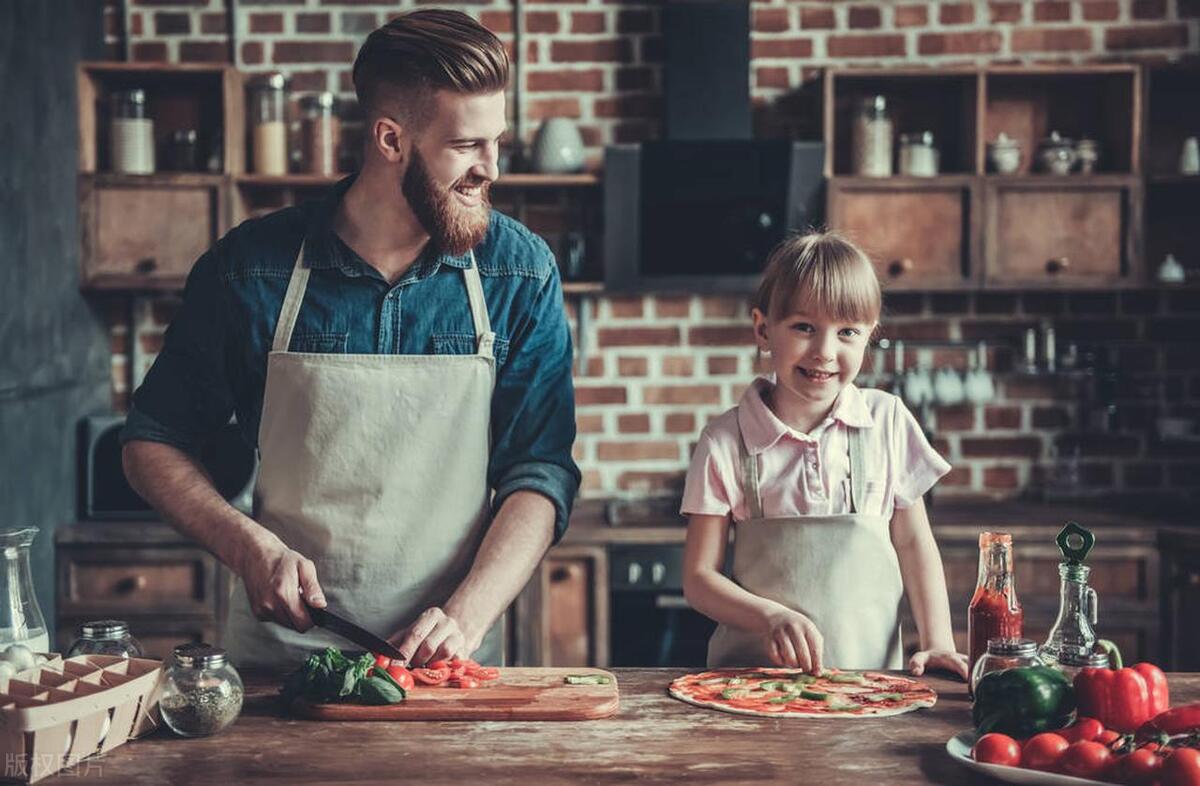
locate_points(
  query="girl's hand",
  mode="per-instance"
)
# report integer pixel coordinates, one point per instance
(947, 660)
(793, 641)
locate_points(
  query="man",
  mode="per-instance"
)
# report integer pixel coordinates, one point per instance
(400, 352)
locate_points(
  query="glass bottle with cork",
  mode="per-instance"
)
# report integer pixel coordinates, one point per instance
(995, 612)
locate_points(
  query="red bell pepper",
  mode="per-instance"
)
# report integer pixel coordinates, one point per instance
(1184, 719)
(1122, 698)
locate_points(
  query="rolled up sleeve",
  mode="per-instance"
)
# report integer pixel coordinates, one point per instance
(187, 394)
(533, 408)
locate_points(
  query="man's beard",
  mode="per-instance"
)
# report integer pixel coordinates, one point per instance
(453, 227)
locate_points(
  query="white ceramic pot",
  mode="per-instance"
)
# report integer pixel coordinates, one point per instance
(557, 147)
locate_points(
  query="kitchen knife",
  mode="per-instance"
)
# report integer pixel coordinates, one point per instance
(343, 627)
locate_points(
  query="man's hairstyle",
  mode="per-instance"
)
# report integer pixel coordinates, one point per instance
(403, 63)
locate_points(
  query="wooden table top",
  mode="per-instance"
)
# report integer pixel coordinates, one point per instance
(653, 738)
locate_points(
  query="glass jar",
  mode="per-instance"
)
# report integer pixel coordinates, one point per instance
(182, 151)
(21, 620)
(918, 156)
(1071, 664)
(268, 120)
(105, 637)
(321, 132)
(131, 134)
(872, 139)
(1005, 654)
(995, 612)
(202, 692)
(1057, 154)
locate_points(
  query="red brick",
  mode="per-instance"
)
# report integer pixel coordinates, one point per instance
(864, 17)
(170, 23)
(638, 337)
(592, 481)
(587, 22)
(1149, 9)
(594, 368)
(958, 476)
(636, 131)
(214, 24)
(955, 358)
(589, 424)
(724, 307)
(1005, 12)
(313, 52)
(633, 424)
(680, 423)
(626, 307)
(633, 367)
(772, 77)
(1000, 477)
(309, 81)
(975, 42)
(554, 107)
(1052, 11)
(266, 23)
(639, 78)
(956, 418)
(722, 365)
(786, 47)
(204, 52)
(1050, 417)
(1146, 37)
(148, 52)
(721, 336)
(497, 21)
(585, 396)
(172, 2)
(590, 81)
(637, 451)
(682, 394)
(651, 481)
(772, 20)
(135, 25)
(635, 21)
(1048, 388)
(313, 23)
(866, 46)
(1002, 417)
(1034, 39)
(910, 16)
(1101, 10)
(1001, 447)
(678, 366)
(817, 19)
(541, 22)
(628, 106)
(614, 50)
(956, 13)
(1098, 444)
(666, 307)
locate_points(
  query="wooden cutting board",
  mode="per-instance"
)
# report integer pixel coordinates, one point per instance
(539, 694)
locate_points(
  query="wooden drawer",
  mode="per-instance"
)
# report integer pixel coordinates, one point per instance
(127, 581)
(917, 231)
(158, 636)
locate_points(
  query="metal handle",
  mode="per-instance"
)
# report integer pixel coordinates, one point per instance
(900, 267)
(635, 572)
(146, 265)
(670, 602)
(131, 584)
(564, 573)
(658, 572)
(1093, 606)
(1057, 265)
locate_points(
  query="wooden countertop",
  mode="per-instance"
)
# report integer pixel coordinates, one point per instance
(654, 738)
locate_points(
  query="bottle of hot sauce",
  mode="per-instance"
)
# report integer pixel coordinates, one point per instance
(994, 612)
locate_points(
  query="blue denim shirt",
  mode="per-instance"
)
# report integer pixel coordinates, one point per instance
(214, 359)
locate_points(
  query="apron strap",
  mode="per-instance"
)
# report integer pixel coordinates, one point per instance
(858, 443)
(750, 478)
(297, 285)
(479, 315)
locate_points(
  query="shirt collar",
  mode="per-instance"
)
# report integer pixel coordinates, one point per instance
(761, 428)
(323, 251)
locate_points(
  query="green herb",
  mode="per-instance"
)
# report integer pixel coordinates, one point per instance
(329, 676)
(735, 693)
(586, 679)
(849, 677)
(882, 696)
(198, 712)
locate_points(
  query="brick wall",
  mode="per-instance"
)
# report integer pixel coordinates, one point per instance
(656, 369)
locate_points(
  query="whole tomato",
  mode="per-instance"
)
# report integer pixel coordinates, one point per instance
(1181, 768)
(1085, 759)
(997, 749)
(1042, 751)
(1140, 768)
(1082, 730)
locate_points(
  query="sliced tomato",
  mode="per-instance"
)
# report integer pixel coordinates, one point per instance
(401, 675)
(430, 676)
(484, 673)
(382, 661)
(438, 664)
(463, 682)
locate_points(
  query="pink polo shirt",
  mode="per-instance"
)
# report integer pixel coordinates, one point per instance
(809, 474)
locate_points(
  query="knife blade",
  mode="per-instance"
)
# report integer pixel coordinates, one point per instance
(348, 630)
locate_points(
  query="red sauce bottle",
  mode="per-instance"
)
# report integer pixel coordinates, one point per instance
(994, 612)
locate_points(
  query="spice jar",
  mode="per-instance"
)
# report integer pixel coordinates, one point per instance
(1057, 154)
(267, 117)
(872, 139)
(321, 131)
(1087, 152)
(1005, 654)
(918, 156)
(105, 637)
(131, 133)
(1005, 154)
(202, 692)
(1070, 664)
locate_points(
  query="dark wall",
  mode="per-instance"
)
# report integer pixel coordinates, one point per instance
(54, 355)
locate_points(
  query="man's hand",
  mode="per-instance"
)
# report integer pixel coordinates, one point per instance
(278, 580)
(433, 636)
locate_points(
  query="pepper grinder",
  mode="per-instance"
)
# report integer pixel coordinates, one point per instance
(1072, 637)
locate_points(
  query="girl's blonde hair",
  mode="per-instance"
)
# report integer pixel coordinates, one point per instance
(821, 273)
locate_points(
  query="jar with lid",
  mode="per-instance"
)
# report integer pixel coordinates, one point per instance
(105, 637)
(202, 692)
(1072, 663)
(1005, 654)
(872, 138)
(918, 156)
(1057, 154)
(268, 110)
(131, 133)
(321, 132)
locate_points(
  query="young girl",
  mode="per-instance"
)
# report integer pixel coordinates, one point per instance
(825, 484)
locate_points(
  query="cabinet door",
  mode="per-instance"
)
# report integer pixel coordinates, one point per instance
(118, 582)
(147, 234)
(1050, 231)
(917, 231)
(575, 608)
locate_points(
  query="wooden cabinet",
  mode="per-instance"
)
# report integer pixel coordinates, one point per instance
(561, 618)
(1180, 599)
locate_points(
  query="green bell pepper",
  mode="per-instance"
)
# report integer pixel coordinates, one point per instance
(1023, 701)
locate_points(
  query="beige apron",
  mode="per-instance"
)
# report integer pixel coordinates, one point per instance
(840, 571)
(375, 468)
